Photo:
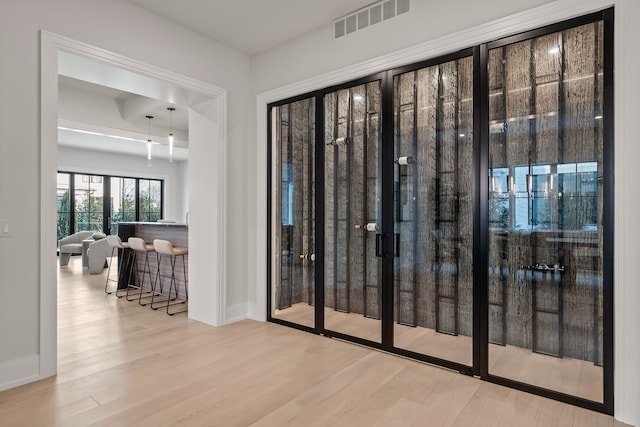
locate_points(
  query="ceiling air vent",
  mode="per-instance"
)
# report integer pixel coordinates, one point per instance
(367, 16)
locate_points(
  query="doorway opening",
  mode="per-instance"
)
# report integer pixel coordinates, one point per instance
(207, 126)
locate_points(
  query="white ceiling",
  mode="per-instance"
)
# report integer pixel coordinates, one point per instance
(252, 26)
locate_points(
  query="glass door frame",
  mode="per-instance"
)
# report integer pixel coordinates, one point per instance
(385, 234)
(389, 141)
(481, 245)
(318, 327)
(480, 364)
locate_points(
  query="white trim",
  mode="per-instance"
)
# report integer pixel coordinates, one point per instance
(626, 291)
(85, 50)
(236, 313)
(48, 208)
(259, 310)
(221, 165)
(51, 45)
(17, 372)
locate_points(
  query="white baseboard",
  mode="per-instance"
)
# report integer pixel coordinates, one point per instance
(235, 313)
(255, 313)
(18, 372)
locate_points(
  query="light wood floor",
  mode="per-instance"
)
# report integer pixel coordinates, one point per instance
(576, 377)
(125, 365)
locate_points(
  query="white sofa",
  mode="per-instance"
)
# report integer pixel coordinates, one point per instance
(72, 245)
(97, 254)
(92, 245)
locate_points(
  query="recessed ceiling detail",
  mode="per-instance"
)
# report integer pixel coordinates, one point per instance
(96, 117)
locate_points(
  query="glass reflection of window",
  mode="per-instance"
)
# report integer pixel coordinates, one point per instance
(287, 194)
(499, 198)
(538, 198)
(578, 196)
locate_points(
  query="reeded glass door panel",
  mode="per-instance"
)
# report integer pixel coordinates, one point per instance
(352, 211)
(433, 272)
(293, 142)
(545, 210)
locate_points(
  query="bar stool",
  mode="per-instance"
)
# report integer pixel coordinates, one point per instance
(116, 243)
(164, 247)
(139, 247)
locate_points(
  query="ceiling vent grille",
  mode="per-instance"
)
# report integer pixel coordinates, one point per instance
(368, 16)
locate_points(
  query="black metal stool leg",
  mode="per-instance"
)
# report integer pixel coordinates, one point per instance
(106, 283)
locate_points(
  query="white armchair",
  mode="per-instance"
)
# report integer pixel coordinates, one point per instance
(72, 245)
(97, 255)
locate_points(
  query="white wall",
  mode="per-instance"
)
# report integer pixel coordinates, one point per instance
(316, 60)
(116, 26)
(98, 162)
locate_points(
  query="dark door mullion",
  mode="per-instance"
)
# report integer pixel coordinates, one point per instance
(387, 208)
(319, 212)
(480, 211)
(137, 200)
(72, 203)
(106, 204)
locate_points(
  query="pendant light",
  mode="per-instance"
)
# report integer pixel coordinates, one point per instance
(171, 110)
(149, 142)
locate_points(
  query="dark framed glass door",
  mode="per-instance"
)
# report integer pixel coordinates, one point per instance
(550, 179)
(353, 215)
(433, 209)
(293, 213)
(458, 211)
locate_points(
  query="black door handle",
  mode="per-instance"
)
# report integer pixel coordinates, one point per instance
(389, 247)
(379, 253)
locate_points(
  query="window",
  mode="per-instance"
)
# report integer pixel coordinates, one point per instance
(123, 201)
(64, 205)
(88, 206)
(100, 202)
(149, 196)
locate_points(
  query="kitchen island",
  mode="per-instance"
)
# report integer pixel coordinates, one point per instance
(177, 234)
